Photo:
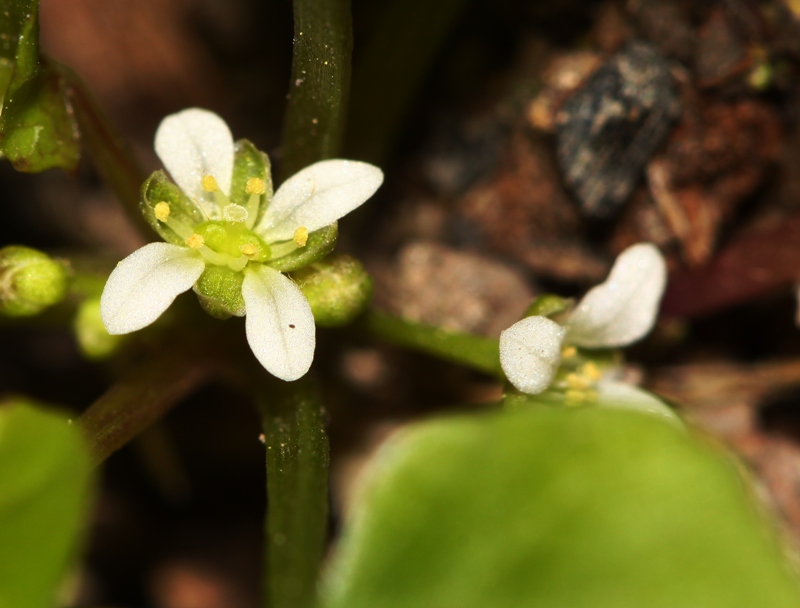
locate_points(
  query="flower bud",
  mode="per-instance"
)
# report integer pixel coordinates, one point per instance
(219, 290)
(548, 305)
(30, 281)
(338, 289)
(93, 338)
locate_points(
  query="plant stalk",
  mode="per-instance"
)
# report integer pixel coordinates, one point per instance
(297, 458)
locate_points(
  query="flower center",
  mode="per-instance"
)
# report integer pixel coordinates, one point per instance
(578, 381)
(228, 243)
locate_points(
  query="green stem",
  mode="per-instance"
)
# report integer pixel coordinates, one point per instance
(144, 395)
(320, 83)
(293, 420)
(477, 352)
(111, 154)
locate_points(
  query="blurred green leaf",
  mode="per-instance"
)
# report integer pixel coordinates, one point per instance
(552, 507)
(19, 43)
(44, 491)
(37, 128)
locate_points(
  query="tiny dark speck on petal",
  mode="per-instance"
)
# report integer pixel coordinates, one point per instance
(291, 325)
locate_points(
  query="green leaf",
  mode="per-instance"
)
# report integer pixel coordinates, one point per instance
(37, 128)
(19, 43)
(320, 243)
(44, 496)
(250, 162)
(184, 214)
(552, 508)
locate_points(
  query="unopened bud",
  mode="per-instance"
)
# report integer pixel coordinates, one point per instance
(30, 281)
(548, 305)
(337, 287)
(93, 338)
(219, 290)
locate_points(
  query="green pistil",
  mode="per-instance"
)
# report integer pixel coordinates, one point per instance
(232, 241)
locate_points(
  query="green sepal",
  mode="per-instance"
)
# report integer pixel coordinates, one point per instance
(38, 130)
(320, 243)
(338, 289)
(249, 162)
(548, 305)
(159, 188)
(219, 290)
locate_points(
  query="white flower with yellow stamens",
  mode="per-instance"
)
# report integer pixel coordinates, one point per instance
(537, 353)
(231, 239)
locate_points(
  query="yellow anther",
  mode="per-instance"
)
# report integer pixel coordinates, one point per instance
(248, 250)
(301, 236)
(591, 371)
(195, 241)
(568, 351)
(577, 382)
(255, 185)
(162, 211)
(209, 183)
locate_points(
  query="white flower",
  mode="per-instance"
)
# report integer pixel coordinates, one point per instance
(615, 313)
(197, 149)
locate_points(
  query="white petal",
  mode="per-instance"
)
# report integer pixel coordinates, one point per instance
(144, 284)
(280, 325)
(626, 396)
(624, 308)
(530, 353)
(194, 143)
(317, 196)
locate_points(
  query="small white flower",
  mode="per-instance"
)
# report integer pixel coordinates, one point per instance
(197, 149)
(615, 313)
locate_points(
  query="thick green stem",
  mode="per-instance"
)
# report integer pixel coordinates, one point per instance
(320, 83)
(111, 154)
(144, 395)
(298, 456)
(477, 352)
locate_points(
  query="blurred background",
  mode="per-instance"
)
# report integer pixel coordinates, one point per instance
(465, 104)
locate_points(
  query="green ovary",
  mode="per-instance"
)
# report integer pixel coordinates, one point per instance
(233, 239)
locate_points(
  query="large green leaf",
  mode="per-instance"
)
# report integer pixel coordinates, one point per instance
(556, 508)
(44, 489)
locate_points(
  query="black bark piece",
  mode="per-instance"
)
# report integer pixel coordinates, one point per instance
(609, 129)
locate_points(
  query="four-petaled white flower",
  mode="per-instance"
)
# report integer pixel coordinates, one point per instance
(197, 149)
(615, 313)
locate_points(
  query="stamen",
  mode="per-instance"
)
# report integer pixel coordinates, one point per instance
(195, 241)
(591, 371)
(162, 211)
(238, 264)
(568, 351)
(234, 213)
(209, 183)
(301, 236)
(577, 382)
(255, 185)
(248, 249)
